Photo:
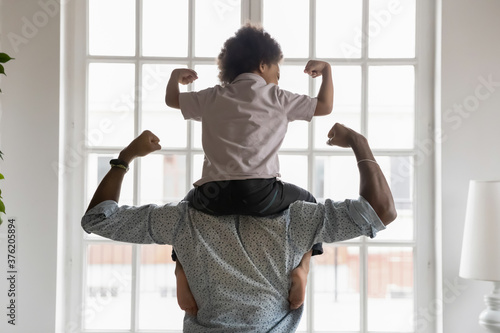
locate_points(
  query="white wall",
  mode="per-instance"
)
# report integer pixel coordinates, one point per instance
(470, 149)
(29, 132)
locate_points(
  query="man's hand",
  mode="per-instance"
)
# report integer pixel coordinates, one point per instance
(317, 68)
(184, 75)
(143, 145)
(342, 136)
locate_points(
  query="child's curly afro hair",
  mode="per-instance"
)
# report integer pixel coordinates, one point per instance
(244, 52)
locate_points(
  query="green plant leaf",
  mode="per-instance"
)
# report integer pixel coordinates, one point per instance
(1, 221)
(2, 207)
(1, 176)
(2, 70)
(4, 57)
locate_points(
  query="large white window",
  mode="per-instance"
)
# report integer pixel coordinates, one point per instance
(380, 53)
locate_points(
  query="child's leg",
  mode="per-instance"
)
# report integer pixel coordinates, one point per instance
(184, 296)
(297, 293)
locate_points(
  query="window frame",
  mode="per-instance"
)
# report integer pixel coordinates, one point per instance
(75, 62)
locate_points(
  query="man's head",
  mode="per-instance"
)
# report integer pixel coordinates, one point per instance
(250, 50)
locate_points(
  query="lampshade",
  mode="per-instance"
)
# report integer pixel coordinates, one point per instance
(480, 258)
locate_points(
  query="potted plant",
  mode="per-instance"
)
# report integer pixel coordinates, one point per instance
(3, 59)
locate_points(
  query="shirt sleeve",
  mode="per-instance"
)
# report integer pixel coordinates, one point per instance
(331, 222)
(193, 103)
(142, 224)
(297, 106)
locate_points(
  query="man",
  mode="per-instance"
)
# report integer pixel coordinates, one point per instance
(238, 266)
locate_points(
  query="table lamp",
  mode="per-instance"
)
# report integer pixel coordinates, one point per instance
(480, 258)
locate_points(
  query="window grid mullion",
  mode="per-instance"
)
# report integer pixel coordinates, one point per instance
(364, 287)
(364, 131)
(310, 158)
(134, 304)
(364, 68)
(190, 124)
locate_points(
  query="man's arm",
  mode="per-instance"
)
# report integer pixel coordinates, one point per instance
(317, 68)
(110, 186)
(373, 185)
(182, 76)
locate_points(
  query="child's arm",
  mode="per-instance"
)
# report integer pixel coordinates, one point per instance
(182, 76)
(317, 68)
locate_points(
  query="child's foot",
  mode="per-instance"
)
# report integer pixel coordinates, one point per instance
(184, 296)
(297, 293)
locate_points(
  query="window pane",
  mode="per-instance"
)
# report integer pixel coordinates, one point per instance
(163, 178)
(165, 28)
(97, 167)
(346, 104)
(390, 289)
(215, 21)
(392, 29)
(293, 169)
(293, 78)
(336, 289)
(336, 177)
(197, 166)
(399, 173)
(296, 135)
(208, 76)
(288, 22)
(338, 28)
(391, 106)
(108, 291)
(110, 104)
(158, 307)
(112, 31)
(167, 123)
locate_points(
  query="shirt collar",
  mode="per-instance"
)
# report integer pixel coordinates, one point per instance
(250, 76)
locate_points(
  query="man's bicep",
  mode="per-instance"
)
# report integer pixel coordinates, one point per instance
(349, 219)
(332, 221)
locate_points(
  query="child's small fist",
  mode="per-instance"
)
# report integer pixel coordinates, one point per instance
(185, 75)
(315, 68)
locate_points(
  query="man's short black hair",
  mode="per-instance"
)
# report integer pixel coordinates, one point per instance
(244, 52)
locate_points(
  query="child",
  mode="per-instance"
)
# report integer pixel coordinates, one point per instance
(244, 121)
